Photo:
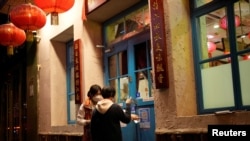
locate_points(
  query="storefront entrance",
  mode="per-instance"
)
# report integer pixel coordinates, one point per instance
(129, 70)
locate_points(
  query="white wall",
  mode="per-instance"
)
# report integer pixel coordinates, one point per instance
(52, 108)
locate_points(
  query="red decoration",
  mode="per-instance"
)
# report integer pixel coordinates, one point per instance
(54, 7)
(58, 6)
(223, 21)
(28, 17)
(78, 72)
(11, 36)
(246, 57)
(248, 35)
(211, 47)
(160, 48)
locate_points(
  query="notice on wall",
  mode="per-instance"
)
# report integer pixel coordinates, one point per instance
(144, 114)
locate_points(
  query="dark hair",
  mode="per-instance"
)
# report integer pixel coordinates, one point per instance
(93, 90)
(108, 92)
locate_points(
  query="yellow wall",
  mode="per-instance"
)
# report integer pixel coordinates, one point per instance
(176, 107)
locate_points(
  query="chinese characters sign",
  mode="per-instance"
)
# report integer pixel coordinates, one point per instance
(78, 72)
(159, 44)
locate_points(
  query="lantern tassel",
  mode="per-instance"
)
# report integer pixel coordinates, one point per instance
(54, 18)
(29, 36)
(10, 50)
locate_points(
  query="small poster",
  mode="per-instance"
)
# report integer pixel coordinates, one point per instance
(144, 114)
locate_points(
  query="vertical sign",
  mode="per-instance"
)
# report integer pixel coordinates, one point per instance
(159, 44)
(78, 72)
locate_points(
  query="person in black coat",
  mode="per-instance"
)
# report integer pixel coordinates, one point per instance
(106, 118)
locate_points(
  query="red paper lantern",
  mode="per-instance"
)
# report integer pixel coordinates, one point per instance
(11, 36)
(246, 57)
(28, 17)
(211, 47)
(223, 21)
(54, 7)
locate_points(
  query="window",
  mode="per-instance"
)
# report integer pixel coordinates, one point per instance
(127, 25)
(127, 54)
(221, 45)
(70, 83)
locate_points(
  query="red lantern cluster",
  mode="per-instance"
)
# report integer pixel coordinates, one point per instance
(28, 17)
(11, 36)
(24, 17)
(223, 22)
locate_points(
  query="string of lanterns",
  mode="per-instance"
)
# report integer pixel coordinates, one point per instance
(27, 18)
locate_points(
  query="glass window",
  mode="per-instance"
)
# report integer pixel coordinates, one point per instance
(202, 2)
(143, 70)
(118, 73)
(127, 53)
(131, 23)
(70, 83)
(222, 56)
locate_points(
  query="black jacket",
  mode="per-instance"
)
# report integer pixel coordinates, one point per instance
(105, 121)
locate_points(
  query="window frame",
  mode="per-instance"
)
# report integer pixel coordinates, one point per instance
(69, 66)
(197, 12)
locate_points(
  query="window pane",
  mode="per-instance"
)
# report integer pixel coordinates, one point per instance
(142, 85)
(112, 66)
(245, 81)
(214, 39)
(71, 111)
(202, 2)
(143, 68)
(72, 81)
(242, 13)
(217, 87)
(142, 56)
(124, 88)
(130, 23)
(242, 10)
(137, 19)
(123, 63)
(115, 30)
(72, 108)
(113, 83)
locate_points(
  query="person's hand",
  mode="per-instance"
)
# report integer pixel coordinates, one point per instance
(135, 117)
(129, 100)
(87, 122)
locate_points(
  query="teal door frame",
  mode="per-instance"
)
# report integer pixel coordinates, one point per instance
(143, 131)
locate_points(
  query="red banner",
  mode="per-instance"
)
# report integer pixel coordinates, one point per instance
(159, 44)
(78, 70)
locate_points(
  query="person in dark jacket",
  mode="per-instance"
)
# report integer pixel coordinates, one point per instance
(106, 118)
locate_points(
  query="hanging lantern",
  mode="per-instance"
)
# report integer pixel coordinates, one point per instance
(28, 17)
(211, 47)
(54, 7)
(246, 57)
(223, 21)
(11, 36)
